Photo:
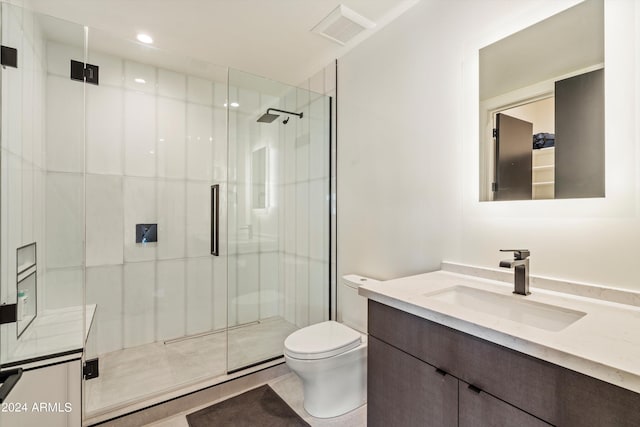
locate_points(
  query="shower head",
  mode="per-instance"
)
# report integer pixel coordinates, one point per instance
(269, 117)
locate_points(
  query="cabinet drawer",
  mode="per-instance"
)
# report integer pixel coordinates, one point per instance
(404, 391)
(479, 409)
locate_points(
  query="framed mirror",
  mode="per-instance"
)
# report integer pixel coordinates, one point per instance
(541, 104)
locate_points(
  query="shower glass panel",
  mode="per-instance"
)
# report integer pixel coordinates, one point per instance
(278, 215)
(155, 144)
(41, 188)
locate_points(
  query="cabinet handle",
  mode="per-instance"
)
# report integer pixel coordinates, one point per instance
(474, 389)
(441, 372)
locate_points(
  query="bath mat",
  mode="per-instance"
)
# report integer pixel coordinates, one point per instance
(258, 407)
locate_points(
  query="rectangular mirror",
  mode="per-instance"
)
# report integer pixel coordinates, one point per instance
(542, 109)
(259, 178)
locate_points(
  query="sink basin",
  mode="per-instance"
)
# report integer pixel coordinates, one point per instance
(515, 309)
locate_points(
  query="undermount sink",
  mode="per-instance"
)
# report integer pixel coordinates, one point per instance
(510, 307)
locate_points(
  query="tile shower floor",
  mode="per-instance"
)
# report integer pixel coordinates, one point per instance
(138, 373)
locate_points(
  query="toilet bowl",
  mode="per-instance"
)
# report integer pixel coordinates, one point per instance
(331, 358)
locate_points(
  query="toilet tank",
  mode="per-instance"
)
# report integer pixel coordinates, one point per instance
(354, 306)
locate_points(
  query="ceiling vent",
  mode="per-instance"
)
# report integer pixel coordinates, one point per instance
(342, 25)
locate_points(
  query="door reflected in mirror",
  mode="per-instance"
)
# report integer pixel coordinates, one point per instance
(542, 109)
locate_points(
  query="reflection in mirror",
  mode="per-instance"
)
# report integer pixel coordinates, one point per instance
(542, 109)
(259, 178)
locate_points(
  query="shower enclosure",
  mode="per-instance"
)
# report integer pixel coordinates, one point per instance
(192, 237)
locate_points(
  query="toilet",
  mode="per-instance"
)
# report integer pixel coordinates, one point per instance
(331, 357)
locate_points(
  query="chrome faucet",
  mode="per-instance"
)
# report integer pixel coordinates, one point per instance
(520, 264)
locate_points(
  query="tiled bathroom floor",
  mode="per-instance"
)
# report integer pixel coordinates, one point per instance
(141, 372)
(289, 387)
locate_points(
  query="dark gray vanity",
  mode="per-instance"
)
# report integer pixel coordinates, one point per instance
(421, 373)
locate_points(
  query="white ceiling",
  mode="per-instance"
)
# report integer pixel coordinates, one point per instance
(270, 38)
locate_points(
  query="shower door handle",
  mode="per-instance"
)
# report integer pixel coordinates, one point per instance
(215, 220)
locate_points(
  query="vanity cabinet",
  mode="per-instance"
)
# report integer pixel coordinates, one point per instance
(506, 384)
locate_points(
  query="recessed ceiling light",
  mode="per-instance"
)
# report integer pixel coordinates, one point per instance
(144, 38)
(235, 104)
(139, 80)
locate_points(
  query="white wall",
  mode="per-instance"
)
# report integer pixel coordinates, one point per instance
(408, 152)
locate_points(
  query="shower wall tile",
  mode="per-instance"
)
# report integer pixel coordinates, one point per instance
(104, 288)
(139, 77)
(65, 125)
(63, 289)
(111, 69)
(219, 144)
(289, 218)
(170, 299)
(199, 91)
(172, 84)
(198, 219)
(302, 219)
(65, 220)
(199, 295)
(104, 134)
(302, 292)
(139, 208)
(139, 134)
(59, 56)
(219, 286)
(105, 223)
(318, 219)
(199, 141)
(318, 291)
(290, 288)
(247, 298)
(268, 276)
(302, 157)
(232, 289)
(139, 303)
(171, 145)
(27, 102)
(171, 219)
(28, 195)
(219, 95)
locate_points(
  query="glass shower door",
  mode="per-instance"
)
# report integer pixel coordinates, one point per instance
(278, 215)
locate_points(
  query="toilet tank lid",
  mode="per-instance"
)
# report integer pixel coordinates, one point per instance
(355, 280)
(321, 340)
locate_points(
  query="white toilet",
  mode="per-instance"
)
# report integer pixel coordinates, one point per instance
(331, 357)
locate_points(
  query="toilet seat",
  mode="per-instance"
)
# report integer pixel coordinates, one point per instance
(321, 340)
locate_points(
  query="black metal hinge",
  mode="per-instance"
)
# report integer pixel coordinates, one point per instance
(90, 369)
(495, 132)
(9, 57)
(8, 313)
(84, 72)
(494, 186)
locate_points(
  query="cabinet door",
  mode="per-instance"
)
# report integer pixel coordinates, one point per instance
(404, 391)
(479, 409)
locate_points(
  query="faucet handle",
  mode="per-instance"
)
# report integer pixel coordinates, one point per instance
(518, 254)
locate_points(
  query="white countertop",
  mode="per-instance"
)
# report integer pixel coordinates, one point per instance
(604, 344)
(53, 332)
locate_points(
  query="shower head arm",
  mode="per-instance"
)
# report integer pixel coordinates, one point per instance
(285, 112)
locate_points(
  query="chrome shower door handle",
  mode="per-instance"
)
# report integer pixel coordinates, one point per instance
(215, 220)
